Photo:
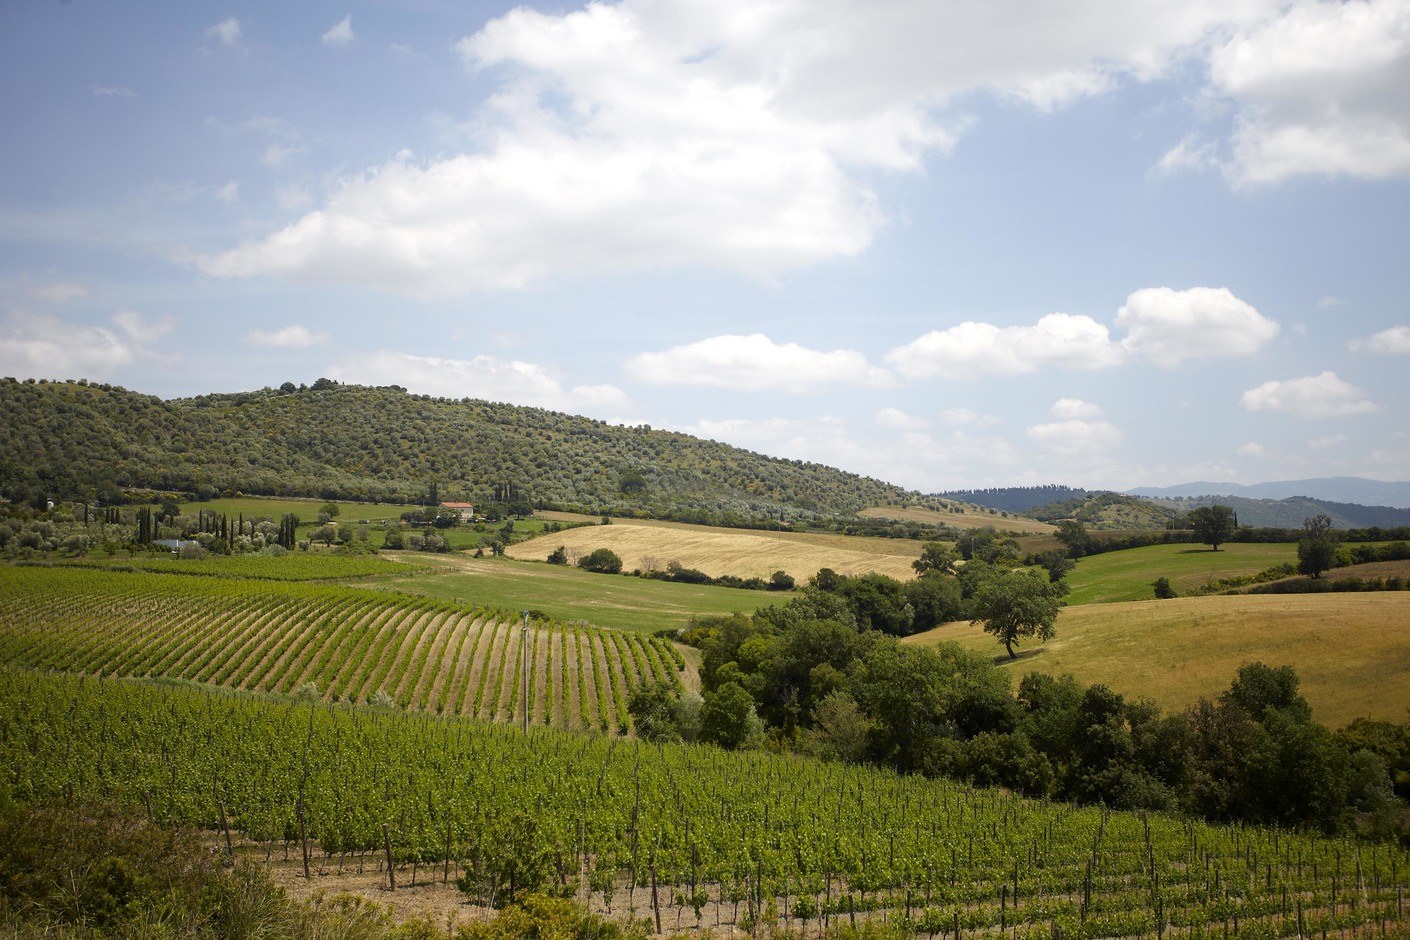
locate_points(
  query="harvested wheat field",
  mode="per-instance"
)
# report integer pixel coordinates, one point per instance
(1352, 651)
(747, 553)
(975, 518)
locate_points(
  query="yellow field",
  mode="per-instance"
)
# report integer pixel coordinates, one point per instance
(974, 519)
(642, 543)
(1352, 651)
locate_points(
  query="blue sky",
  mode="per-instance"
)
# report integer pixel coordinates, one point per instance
(979, 243)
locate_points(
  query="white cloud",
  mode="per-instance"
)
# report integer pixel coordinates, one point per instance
(897, 419)
(60, 293)
(973, 349)
(227, 31)
(39, 346)
(1066, 408)
(113, 91)
(292, 197)
(965, 416)
(1169, 326)
(142, 329)
(1313, 396)
(1252, 449)
(754, 362)
(1076, 436)
(229, 192)
(1324, 88)
(294, 336)
(731, 135)
(1191, 153)
(1392, 342)
(279, 154)
(1331, 440)
(341, 33)
(521, 383)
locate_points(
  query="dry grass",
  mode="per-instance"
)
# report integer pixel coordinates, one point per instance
(973, 519)
(1351, 650)
(742, 552)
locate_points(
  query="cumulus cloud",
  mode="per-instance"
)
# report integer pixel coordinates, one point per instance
(1169, 326)
(973, 349)
(1076, 436)
(899, 420)
(1392, 342)
(1313, 396)
(1068, 408)
(40, 346)
(520, 383)
(294, 336)
(227, 31)
(1252, 449)
(732, 135)
(1323, 88)
(229, 192)
(61, 292)
(341, 33)
(143, 329)
(1330, 440)
(754, 362)
(962, 416)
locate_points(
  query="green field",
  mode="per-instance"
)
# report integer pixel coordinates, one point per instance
(263, 507)
(1352, 651)
(617, 601)
(295, 566)
(1127, 575)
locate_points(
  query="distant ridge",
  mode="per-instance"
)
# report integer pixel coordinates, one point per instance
(1358, 490)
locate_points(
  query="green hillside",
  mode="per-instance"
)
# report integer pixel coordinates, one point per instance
(79, 440)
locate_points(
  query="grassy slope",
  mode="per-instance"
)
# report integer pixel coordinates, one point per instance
(622, 603)
(1351, 650)
(974, 519)
(1127, 575)
(743, 552)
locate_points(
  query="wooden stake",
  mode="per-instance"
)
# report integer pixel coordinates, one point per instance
(387, 845)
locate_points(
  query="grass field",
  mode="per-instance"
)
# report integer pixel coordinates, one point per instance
(974, 519)
(1127, 575)
(742, 552)
(1351, 650)
(615, 601)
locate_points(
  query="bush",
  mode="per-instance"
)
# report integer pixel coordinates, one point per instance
(602, 560)
(1163, 588)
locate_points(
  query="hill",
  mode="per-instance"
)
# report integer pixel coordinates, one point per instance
(79, 440)
(1108, 511)
(1016, 498)
(1290, 512)
(1356, 490)
(960, 516)
(1352, 651)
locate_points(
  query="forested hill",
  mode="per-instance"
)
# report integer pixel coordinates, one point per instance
(1018, 499)
(356, 442)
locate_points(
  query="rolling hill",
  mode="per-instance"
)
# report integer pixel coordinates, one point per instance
(81, 440)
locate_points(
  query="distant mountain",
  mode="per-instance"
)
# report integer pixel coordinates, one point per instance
(1356, 490)
(1016, 498)
(1289, 513)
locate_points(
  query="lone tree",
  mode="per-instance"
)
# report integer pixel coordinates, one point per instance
(602, 560)
(1014, 604)
(1317, 549)
(1213, 524)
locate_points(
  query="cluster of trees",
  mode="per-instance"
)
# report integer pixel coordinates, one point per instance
(823, 686)
(75, 529)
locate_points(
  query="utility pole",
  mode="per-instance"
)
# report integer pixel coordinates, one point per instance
(524, 658)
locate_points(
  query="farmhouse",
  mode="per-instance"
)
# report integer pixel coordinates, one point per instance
(466, 510)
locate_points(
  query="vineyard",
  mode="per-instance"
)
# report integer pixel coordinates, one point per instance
(690, 836)
(290, 567)
(331, 642)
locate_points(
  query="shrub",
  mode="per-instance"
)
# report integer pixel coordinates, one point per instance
(602, 560)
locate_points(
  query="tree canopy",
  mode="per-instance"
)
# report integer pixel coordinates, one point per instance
(1015, 604)
(1213, 525)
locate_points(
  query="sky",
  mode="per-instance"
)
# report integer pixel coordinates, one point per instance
(950, 245)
